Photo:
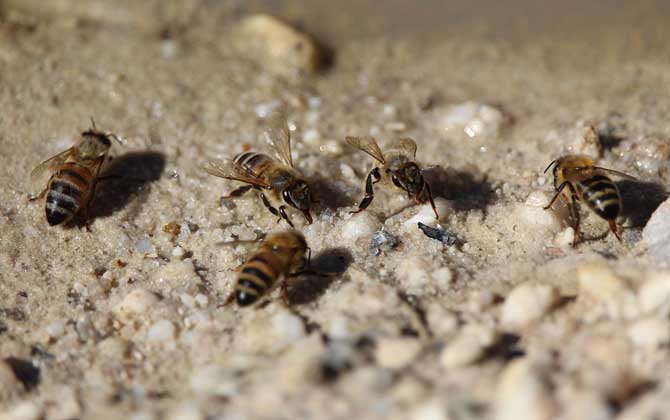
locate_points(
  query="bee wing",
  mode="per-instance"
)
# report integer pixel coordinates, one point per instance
(230, 170)
(52, 163)
(368, 145)
(279, 136)
(616, 173)
(407, 145)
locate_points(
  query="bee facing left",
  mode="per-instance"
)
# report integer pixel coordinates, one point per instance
(75, 172)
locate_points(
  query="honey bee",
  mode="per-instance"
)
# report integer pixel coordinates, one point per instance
(398, 167)
(277, 181)
(281, 255)
(588, 183)
(75, 171)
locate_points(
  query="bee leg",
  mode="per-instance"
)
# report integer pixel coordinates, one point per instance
(239, 192)
(369, 191)
(229, 299)
(559, 190)
(282, 213)
(38, 197)
(574, 214)
(284, 293)
(273, 210)
(432, 202)
(614, 229)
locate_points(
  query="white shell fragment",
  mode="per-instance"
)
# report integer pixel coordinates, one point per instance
(276, 46)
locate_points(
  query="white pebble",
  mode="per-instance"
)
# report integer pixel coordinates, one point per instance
(537, 217)
(474, 119)
(522, 393)
(162, 330)
(187, 300)
(332, 148)
(186, 411)
(432, 410)
(137, 302)
(23, 410)
(311, 136)
(62, 403)
(605, 293)
(314, 102)
(656, 234)
(565, 238)
(57, 328)
(467, 347)
(201, 300)
(442, 277)
(396, 353)
(145, 247)
(426, 215)
(288, 326)
(526, 304)
(263, 110)
(654, 294)
(214, 380)
(360, 225)
(178, 252)
(538, 198)
(650, 333)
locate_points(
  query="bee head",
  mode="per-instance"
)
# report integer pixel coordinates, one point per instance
(290, 244)
(94, 144)
(408, 178)
(298, 195)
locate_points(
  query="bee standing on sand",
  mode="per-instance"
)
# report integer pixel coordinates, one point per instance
(71, 187)
(280, 255)
(398, 167)
(577, 179)
(278, 182)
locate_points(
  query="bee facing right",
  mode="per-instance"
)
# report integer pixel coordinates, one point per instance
(588, 183)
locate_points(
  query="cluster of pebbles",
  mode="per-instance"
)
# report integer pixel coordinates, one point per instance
(486, 313)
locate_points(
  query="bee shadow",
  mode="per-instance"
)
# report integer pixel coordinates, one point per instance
(327, 195)
(124, 177)
(640, 200)
(332, 262)
(468, 191)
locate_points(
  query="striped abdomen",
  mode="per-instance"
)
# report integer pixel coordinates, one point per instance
(601, 195)
(256, 163)
(67, 193)
(257, 277)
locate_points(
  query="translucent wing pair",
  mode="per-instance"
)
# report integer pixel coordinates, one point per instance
(37, 175)
(369, 145)
(277, 134)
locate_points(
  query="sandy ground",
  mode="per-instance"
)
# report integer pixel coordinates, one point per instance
(126, 321)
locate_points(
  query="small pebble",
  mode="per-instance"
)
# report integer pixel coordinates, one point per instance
(432, 410)
(522, 393)
(382, 241)
(468, 346)
(474, 119)
(62, 403)
(287, 326)
(57, 328)
(426, 215)
(22, 410)
(162, 330)
(360, 225)
(395, 353)
(214, 380)
(605, 293)
(137, 302)
(276, 46)
(654, 295)
(650, 333)
(656, 234)
(526, 304)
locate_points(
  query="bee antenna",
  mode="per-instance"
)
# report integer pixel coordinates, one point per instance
(93, 124)
(115, 137)
(550, 165)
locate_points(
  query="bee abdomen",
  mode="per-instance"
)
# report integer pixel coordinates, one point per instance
(252, 161)
(256, 278)
(62, 202)
(602, 196)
